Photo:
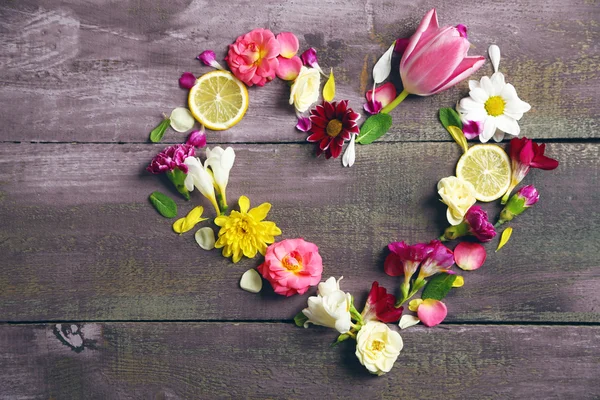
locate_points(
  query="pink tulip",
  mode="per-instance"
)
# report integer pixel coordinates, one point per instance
(436, 58)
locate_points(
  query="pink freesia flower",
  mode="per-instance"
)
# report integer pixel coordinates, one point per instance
(432, 312)
(436, 58)
(479, 225)
(384, 95)
(171, 158)
(303, 124)
(197, 138)
(440, 259)
(288, 43)
(381, 306)
(253, 57)
(292, 266)
(208, 58)
(526, 197)
(288, 68)
(405, 258)
(472, 129)
(524, 155)
(469, 256)
(187, 80)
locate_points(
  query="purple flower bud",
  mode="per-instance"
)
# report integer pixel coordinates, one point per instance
(479, 225)
(187, 80)
(208, 58)
(472, 129)
(304, 124)
(373, 107)
(462, 30)
(196, 138)
(309, 58)
(530, 194)
(401, 45)
(170, 158)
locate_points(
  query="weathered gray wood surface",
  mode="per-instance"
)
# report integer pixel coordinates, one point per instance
(260, 361)
(80, 242)
(104, 72)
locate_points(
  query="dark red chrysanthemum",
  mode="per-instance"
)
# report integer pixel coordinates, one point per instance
(332, 124)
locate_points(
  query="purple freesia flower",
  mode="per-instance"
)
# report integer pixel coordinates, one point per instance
(479, 225)
(439, 260)
(171, 158)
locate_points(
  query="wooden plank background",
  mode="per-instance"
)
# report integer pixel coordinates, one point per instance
(82, 84)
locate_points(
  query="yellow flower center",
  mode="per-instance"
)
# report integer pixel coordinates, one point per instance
(334, 127)
(495, 106)
(377, 345)
(292, 262)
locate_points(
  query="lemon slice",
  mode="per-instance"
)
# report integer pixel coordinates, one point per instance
(487, 167)
(218, 100)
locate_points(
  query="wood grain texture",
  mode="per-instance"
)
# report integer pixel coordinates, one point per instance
(80, 241)
(277, 361)
(104, 71)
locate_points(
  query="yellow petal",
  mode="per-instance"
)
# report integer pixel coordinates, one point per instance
(195, 213)
(185, 224)
(504, 238)
(244, 203)
(259, 213)
(459, 281)
(178, 225)
(414, 304)
(220, 221)
(329, 88)
(458, 136)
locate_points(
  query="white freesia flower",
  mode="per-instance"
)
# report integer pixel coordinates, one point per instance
(220, 162)
(378, 347)
(458, 195)
(495, 103)
(199, 176)
(305, 89)
(330, 308)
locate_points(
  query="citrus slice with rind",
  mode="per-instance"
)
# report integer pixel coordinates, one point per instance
(487, 168)
(218, 100)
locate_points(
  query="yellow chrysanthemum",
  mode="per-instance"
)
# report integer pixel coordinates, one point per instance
(245, 232)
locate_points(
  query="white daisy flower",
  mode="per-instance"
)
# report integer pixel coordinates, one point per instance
(495, 103)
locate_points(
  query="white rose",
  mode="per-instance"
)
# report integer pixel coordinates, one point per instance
(330, 308)
(305, 89)
(378, 347)
(458, 195)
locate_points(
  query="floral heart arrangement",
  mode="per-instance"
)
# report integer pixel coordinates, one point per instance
(433, 59)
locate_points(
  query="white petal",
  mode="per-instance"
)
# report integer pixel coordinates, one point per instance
(473, 84)
(350, 153)
(452, 219)
(479, 95)
(251, 281)
(182, 119)
(408, 320)
(489, 128)
(382, 68)
(468, 104)
(498, 83)
(498, 136)
(479, 115)
(508, 93)
(486, 84)
(205, 237)
(508, 125)
(494, 52)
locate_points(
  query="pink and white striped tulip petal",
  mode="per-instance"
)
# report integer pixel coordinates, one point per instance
(465, 69)
(428, 24)
(384, 94)
(288, 68)
(432, 312)
(469, 256)
(289, 44)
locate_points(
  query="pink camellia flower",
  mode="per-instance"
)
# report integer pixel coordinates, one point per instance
(380, 306)
(253, 57)
(187, 80)
(384, 95)
(170, 158)
(208, 58)
(440, 259)
(436, 58)
(292, 266)
(526, 197)
(475, 223)
(524, 155)
(405, 259)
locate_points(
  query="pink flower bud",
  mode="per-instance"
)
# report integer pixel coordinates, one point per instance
(208, 58)
(309, 58)
(479, 225)
(196, 138)
(530, 194)
(187, 80)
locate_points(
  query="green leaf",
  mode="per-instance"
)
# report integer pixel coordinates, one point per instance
(300, 319)
(438, 287)
(163, 204)
(374, 127)
(449, 117)
(157, 133)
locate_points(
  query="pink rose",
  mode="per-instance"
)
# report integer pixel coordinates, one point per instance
(253, 57)
(292, 266)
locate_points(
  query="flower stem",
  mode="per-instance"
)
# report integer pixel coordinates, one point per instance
(395, 103)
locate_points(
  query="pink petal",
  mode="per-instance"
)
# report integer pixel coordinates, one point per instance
(373, 107)
(288, 68)
(309, 58)
(187, 80)
(465, 69)
(304, 124)
(401, 45)
(462, 29)
(469, 256)
(288, 43)
(385, 94)
(429, 22)
(432, 312)
(472, 129)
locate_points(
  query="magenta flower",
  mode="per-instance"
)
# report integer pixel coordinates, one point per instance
(475, 223)
(436, 58)
(332, 125)
(440, 259)
(197, 138)
(171, 162)
(309, 58)
(405, 259)
(381, 306)
(304, 124)
(187, 80)
(526, 197)
(524, 155)
(208, 58)
(472, 129)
